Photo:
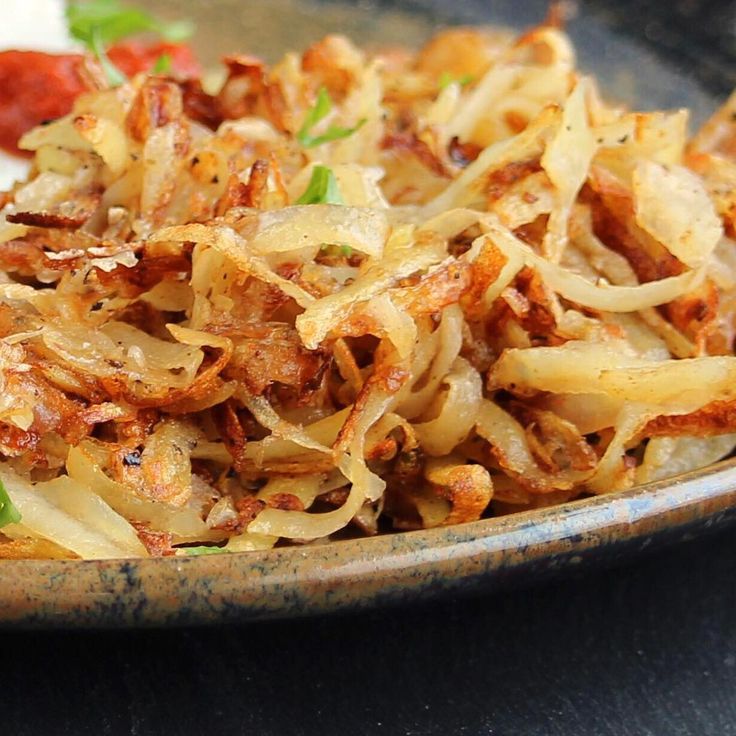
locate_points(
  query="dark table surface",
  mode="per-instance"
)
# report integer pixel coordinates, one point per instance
(645, 649)
(649, 648)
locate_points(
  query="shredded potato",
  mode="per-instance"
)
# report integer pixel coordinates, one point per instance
(350, 294)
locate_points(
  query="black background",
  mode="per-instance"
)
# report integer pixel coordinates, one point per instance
(649, 648)
(646, 649)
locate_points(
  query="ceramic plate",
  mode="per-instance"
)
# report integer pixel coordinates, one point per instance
(295, 581)
(406, 566)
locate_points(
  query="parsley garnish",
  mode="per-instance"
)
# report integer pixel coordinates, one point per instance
(112, 21)
(98, 23)
(322, 188)
(321, 109)
(332, 249)
(8, 513)
(114, 76)
(446, 79)
(203, 550)
(163, 64)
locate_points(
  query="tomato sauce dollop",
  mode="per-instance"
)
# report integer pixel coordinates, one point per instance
(36, 87)
(133, 57)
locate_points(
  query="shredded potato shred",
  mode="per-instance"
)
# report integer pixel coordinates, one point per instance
(523, 296)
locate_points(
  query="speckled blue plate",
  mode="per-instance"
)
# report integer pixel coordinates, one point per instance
(406, 566)
(295, 581)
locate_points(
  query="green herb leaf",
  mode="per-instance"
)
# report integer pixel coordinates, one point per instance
(114, 76)
(336, 249)
(8, 513)
(322, 188)
(163, 64)
(321, 109)
(203, 550)
(98, 23)
(111, 21)
(446, 79)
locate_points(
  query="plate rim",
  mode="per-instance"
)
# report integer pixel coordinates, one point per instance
(340, 575)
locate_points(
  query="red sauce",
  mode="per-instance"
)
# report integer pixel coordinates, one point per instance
(37, 87)
(133, 57)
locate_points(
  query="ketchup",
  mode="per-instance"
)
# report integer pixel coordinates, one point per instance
(133, 57)
(36, 87)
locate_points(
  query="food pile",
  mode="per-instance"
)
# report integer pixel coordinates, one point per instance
(354, 293)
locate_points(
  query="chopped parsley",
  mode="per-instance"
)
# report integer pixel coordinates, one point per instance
(114, 76)
(322, 188)
(332, 249)
(8, 513)
(163, 64)
(321, 109)
(203, 550)
(99, 23)
(446, 79)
